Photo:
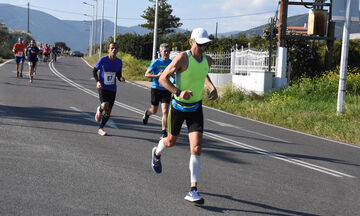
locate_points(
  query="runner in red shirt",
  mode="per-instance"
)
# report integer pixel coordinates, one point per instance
(19, 50)
(46, 52)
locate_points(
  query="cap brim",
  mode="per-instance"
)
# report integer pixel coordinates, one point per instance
(202, 40)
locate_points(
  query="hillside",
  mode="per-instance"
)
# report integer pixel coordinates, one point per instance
(49, 29)
(299, 20)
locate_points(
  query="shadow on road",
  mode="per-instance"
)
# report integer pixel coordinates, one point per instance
(277, 211)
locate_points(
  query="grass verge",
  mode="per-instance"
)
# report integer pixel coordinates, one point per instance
(308, 106)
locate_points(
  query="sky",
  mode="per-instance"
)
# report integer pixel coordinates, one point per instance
(231, 15)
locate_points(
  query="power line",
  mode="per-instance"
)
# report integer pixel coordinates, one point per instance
(126, 18)
(227, 17)
(139, 19)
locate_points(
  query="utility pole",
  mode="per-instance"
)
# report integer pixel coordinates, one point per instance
(216, 30)
(101, 29)
(344, 60)
(92, 28)
(28, 24)
(155, 30)
(282, 22)
(330, 43)
(95, 26)
(115, 21)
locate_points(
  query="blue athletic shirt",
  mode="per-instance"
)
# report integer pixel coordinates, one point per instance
(32, 56)
(108, 70)
(155, 67)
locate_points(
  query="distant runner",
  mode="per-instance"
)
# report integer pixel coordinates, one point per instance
(46, 52)
(40, 52)
(32, 52)
(19, 50)
(54, 52)
(110, 68)
(158, 92)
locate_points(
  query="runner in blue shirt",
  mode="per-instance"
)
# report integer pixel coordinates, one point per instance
(32, 54)
(158, 92)
(110, 68)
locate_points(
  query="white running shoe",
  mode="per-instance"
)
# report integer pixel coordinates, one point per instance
(194, 196)
(102, 132)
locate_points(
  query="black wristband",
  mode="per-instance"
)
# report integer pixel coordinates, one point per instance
(177, 93)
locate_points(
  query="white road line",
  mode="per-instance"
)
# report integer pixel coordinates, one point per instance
(86, 62)
(2, 64)
(110, 122)
(279, 156)
(249, 131)
(217, 137)
(287, 129)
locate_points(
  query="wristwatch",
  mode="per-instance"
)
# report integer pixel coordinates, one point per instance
(177, 93)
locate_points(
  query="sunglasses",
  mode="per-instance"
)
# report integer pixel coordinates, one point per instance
(202, 45)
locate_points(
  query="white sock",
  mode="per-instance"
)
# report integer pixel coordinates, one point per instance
(160, 146)
(194, 166)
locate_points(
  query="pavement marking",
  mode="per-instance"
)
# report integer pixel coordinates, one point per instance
(86, 62)
(89, 117)
(279, 156)
(249, 131)
(2, 64)
(287, 129)
(217, 137)
(138, 85)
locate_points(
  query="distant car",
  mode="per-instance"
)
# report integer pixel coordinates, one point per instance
(77, 53)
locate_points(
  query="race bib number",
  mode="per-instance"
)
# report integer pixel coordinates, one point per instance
(109, 78)
(20, 54)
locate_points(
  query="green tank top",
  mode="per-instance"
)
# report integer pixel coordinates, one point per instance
(193, 78)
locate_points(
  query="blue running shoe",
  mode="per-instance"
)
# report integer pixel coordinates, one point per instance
(155, 162)
(194, 197)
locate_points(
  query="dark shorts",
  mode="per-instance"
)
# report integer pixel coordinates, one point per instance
(32, 63)
(107, 96)
(163, 96)
(194, 120)
(19, 59)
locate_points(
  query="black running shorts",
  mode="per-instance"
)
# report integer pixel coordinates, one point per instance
(163, 96)
(107, 96)
(194, 120)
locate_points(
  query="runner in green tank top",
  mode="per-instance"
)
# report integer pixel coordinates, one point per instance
(191, 69)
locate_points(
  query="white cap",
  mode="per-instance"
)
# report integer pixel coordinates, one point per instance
(200, 36)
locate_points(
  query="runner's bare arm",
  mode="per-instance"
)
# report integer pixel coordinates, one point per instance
(213, 92)
(149, 74)
(178, 65)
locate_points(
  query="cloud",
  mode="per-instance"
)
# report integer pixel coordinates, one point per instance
(235, 7)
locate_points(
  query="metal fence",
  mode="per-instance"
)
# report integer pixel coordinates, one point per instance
(239, 62)
(247, 61)
(221, 62)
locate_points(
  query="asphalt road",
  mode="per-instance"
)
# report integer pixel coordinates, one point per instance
(53, 162)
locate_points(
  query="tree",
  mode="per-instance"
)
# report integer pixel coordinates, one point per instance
(5, 38)
(166, 22)
(62, 45)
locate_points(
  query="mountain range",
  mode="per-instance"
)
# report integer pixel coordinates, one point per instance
(46, 28)
(300, 20)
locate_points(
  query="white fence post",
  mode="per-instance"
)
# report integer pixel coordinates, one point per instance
(232, 65)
